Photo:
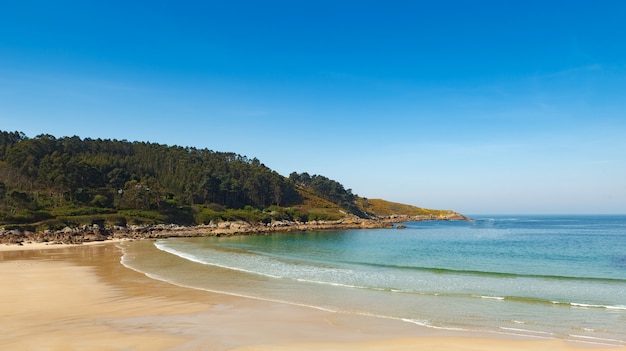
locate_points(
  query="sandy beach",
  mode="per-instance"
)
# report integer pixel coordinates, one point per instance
(61, 297)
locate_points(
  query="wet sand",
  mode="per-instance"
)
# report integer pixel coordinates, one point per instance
(81, 297)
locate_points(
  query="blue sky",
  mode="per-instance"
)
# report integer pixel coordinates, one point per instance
(475, 106)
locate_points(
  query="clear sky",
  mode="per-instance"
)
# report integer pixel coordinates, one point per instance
(475, 106)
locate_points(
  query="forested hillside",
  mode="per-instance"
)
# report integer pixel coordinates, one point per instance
(48, 183)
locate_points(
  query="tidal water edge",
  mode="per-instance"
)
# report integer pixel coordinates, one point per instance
(540, 276)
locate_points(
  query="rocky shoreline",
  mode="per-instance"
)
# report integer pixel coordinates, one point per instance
(94, 233)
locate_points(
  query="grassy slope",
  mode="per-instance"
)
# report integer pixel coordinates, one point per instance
(376, 207)
(381, 207)
(314, 204)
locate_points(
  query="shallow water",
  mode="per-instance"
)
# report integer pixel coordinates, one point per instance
(543, 276)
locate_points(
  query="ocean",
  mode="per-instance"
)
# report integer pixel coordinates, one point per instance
(537, 276)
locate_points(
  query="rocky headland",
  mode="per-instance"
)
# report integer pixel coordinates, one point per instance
(94, 233)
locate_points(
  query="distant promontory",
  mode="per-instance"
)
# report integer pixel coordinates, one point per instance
(70, 189)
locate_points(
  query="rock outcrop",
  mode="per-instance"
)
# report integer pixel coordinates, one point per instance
(95, 232)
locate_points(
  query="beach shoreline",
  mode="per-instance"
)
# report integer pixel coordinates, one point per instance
(82, 297)
(30, 246)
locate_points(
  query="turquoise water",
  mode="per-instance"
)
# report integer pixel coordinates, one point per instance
(543, 276)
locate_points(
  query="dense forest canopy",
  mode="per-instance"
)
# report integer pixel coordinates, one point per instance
(45, 177)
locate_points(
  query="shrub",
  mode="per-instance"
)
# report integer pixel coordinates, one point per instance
(207, 215)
